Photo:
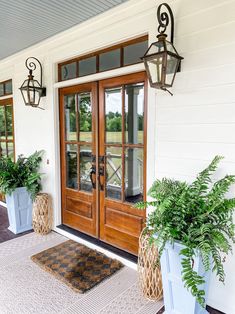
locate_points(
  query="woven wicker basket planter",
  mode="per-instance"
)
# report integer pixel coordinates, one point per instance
(42, 214)
(149, 274)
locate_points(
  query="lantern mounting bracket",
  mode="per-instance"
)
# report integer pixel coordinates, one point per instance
(31, 66)
(164, 19)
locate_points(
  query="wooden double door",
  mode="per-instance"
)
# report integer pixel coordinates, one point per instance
(103, 158)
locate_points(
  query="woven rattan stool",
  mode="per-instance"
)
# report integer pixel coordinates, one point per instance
(42, 214)
(149, 274)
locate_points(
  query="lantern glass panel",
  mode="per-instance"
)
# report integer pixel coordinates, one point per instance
(155, 69)
(170, 47)
(171, 69)
(156, 48)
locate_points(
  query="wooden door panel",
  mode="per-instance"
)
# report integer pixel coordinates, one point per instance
(81, 208)
(121, 240)
(120, 222)
(77, 150)
(129, 224)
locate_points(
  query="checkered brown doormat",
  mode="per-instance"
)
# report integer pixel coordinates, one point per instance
(78, 266)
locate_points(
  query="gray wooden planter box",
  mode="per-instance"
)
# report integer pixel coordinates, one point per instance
(177, 299)
(19, 208)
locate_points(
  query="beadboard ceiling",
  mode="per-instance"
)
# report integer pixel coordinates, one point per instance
(24, 23)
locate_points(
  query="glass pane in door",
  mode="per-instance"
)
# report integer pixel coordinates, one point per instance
(113, 115)
(3, 149)
(9, 122)
(85, 168)
(2, 123)
(70, 117)
(134, 113)
(71, 166)
(85, 117)
(10, 150)
(113, 180)
(133, 175)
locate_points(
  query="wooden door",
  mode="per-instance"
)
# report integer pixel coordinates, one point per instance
(122, 166)
(78, 127)
(103, 158)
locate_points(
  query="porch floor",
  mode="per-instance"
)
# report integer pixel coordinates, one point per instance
(6, 234)
(26, 289)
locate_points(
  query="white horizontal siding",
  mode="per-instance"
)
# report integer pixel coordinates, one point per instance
(198, 122)
(195, 150)
(204, 133)
(187, 114)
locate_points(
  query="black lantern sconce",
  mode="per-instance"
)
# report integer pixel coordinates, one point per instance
(162, 60)
(31, 89)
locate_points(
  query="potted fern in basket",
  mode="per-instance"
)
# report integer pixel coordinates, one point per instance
(20, 182)
(192, 226)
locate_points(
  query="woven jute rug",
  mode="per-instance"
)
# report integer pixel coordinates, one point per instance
(78, 266)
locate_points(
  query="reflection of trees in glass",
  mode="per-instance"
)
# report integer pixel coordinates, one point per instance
(6, 127)
(140, 121)
(9, 120)
(85, 116)
(72, 170)
(113, 122)
(2, 121)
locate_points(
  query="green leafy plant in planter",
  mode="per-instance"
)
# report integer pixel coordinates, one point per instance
(199, 216)
(22, 173)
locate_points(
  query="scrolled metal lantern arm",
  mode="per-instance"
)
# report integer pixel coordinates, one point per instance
(163, 20)
(31, 66)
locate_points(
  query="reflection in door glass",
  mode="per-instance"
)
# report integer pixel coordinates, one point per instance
(10, 150)
(9, 122)
(113, 115)
(85, 168)
(85, 117)
(134, 113)
(133, 175)
(71, 166)
(114, 172)
(3, 149)
(2, 123)
(70, 117)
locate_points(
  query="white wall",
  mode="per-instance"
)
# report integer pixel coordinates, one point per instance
(184, 131)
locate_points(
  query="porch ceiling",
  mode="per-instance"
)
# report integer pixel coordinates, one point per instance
(26, 22)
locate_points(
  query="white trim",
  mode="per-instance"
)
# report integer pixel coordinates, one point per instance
(96, 247)
(3, 204)
(102, 75)
(6, 97)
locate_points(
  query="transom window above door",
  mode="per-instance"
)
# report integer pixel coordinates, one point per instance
(5, 88)
(117, 56)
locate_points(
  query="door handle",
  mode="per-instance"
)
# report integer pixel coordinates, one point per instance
(101, 174)
(93, 172)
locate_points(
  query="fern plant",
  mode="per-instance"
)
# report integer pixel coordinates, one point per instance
(22, 173)
(199, 216)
